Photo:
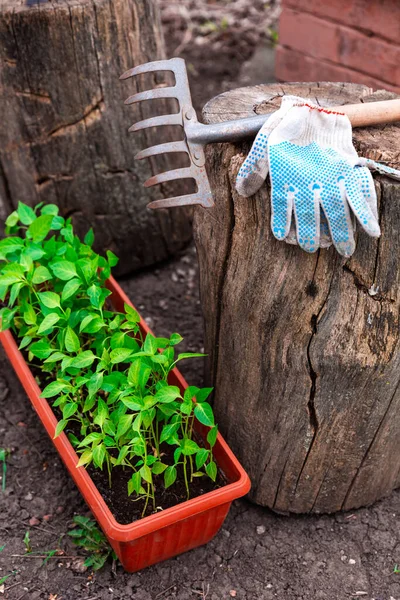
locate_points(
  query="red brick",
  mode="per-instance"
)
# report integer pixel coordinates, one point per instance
(381, 17)
(319, 38)
(294, 66)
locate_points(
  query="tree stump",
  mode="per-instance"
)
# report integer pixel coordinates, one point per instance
(304, 350)
(64, 127)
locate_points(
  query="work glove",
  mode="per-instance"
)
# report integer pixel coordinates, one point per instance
(315, 174)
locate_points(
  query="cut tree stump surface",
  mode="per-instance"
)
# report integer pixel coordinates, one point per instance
(64, 127)
(303, 349)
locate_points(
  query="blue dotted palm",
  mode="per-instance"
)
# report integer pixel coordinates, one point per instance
(306, 179)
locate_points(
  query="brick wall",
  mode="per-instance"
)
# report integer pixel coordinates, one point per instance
(340, 40)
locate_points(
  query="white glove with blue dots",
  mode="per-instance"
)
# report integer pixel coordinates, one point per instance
(315, 174)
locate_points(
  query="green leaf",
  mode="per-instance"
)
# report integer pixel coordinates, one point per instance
(39, 228)
(69, 410)
(189, 355)
(26, 262)
(85, 458)
(102, 413)
(189, 447)
(168, 431)
(15, 290)
(119, 355)
(50, 299)
(89, 238)
(25, 342)
(95, 383)
(89, 403)
(212, 436)
(150, 344)
(134, 483)
(94, 293)
(211, 470)
(55, 357)
(64, 270)
(133, 403)
(146, 473)
(12, 273)
(41, 274)
(124, 424)
(83, 360)
(49, 209)
(175, 338)
(112, 259)
(12, 219)
(159, 359)
(92, 437)
(55, 388)
(202, 394)
(99, 454)
(204, 413)
(61, 425)
(201, 457)
(25, 214)
(9, 245)
(48, 323)
(70, 288)
(187, 407)
(168, 394)
(137, 423)
(131, 314)
(158, 468)
(40, 349)
(72, 343)
(86, 320)
(169, 476)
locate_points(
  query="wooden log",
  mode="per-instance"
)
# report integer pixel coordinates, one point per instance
(304, 350)
(64, 127)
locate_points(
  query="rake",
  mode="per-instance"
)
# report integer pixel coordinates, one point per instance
(197, 135)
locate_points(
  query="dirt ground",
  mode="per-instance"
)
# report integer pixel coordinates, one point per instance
(257, 555)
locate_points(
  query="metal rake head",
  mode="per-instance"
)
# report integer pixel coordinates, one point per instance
(186, 118)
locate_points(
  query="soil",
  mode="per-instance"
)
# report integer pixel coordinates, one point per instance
(257, 555)
(126, 510)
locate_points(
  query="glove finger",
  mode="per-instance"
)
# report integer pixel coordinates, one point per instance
(281, 210)
(361, 196)
(336, 209)
(307, 216)
(254, 170)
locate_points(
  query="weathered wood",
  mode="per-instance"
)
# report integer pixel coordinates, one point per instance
(64, 127)
(304, 350)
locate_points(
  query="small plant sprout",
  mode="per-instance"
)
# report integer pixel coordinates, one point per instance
(27, 542)
(89, 537)
(396, 569)
(108, 383)
(4, 453)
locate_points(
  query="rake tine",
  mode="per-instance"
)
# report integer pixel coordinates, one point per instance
(179, 146)
(185, 173)
(163, 92)
(156, 65)
(186, 200)
(175, 119)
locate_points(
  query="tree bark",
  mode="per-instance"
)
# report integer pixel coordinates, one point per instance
(64, 127)
(304, 350)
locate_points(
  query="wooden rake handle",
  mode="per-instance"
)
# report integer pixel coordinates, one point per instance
(371, 113)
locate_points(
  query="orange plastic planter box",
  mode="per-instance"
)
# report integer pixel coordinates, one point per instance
(159, 536)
